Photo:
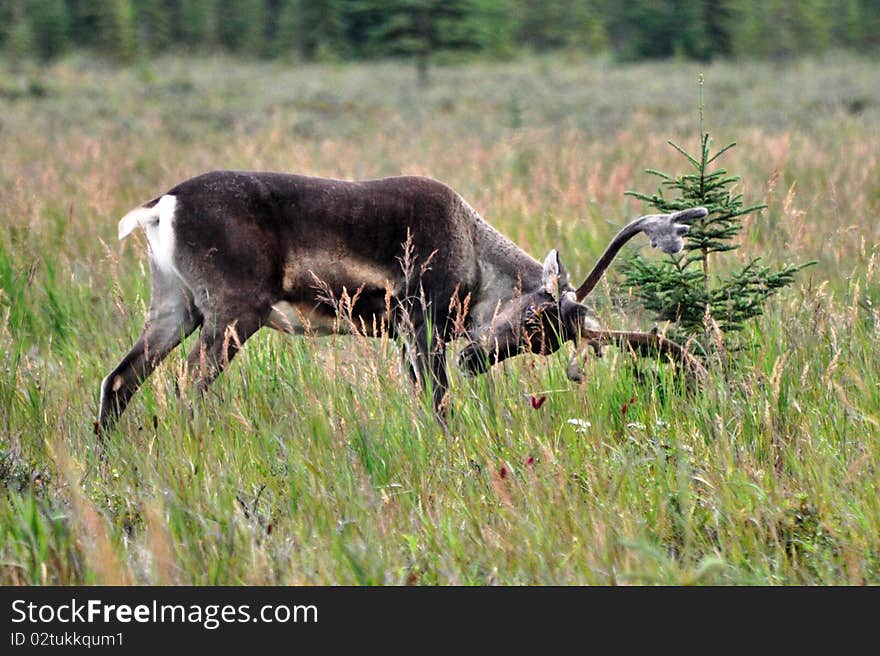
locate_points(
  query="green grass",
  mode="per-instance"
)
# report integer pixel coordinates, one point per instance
(311, 461)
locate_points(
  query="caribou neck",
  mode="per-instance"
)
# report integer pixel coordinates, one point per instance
(505, 270)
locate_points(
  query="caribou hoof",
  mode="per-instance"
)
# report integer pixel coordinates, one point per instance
(574, 372)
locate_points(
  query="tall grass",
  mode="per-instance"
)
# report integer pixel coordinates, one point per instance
(311, 461)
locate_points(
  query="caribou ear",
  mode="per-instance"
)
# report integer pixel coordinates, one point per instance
(554, 276)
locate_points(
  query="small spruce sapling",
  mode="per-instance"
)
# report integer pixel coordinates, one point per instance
(683, 289)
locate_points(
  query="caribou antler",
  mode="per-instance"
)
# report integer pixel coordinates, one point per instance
(641, 343)
(664, 231)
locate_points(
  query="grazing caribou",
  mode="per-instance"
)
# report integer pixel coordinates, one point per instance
(233, 252)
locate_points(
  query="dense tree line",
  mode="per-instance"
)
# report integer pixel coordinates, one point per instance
(420, 29)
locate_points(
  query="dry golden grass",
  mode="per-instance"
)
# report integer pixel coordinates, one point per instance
(312, 462)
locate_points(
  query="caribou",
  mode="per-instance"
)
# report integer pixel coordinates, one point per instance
(232, 252)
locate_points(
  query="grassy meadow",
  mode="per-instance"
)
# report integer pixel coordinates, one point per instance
(312, 462)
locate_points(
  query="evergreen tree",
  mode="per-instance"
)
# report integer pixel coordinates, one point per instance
(20, 41)
(492, 26)
(232, 25)
(683, 289)
(241, 26)
(323, 28)
(562, 24)
(811, 24)
(780, 29)
(48, 27)
(425, 29)
(116, 25)
(869, 15)
(154, 20)
(197, 25)
(849, 28)
(6, 18)
(85, 19)
(644, 29)
(310, 29)
(288, 35)
(420, 29)
(254, 41)
(716, 20)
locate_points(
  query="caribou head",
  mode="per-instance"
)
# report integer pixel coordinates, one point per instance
(541, 320)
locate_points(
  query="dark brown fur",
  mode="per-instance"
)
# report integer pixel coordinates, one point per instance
(408, 251)
(243, 230)
(247, 240)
